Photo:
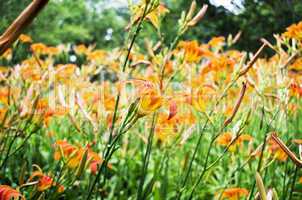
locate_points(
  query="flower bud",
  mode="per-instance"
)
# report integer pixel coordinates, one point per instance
(199, 15)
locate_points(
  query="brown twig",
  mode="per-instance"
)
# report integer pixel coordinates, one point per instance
(24, 19)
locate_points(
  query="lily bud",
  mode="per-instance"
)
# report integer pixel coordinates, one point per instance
(199, 15)
(260, 186)
(82, 165)
(192, 10)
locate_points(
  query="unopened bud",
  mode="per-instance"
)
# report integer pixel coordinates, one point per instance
(199, 15)
(260, 186)
(192, 10)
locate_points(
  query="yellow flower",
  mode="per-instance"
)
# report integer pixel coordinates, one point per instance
(198, 102)
(31, 73)
(164, 133)
(149, 102)
(39, 48)
(52, 51)
(153, 16)
(166, 128)
(201, 97)
(65, 72)
(97, 55)
(81, 49)
(7, 54)
(4, 69)
(217, 42)
(156, 14)
(25, 38)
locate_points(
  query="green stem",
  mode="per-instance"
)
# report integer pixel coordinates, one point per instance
(110, 148)
(262, 153)
(293, 183)
(146, 158)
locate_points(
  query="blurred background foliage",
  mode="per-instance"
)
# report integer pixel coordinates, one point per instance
(103, 22)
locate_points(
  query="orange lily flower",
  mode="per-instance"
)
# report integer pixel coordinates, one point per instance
(39, 48)
(81, 49)
(75, 154)
(149, 103)
(25, 38)
(274, 149)
(44, 182)
(193, 52)
(217, 42)
(201, 98)
(52, 51)
(296, 90)
(150, 98)
(8, 193)
(64, 72)
(234, 193)
(294, 32)
(226, 138)
(97, 55)
(166, 128)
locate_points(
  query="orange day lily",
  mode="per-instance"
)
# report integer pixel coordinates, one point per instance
(275, 150)
(166, 128)
(74, 155)
(39, 48)
(81, 49)
(201, 97)
(150, 99)
(295, 90)
(25, 38)
(217, 42)
(44, 181)
(193, 52)
(234, 193)
(149, 103)
(8, 193)
(226, 138)
(294, 32)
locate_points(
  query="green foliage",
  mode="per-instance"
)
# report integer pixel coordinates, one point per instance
(259, 19)
(68, 21)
